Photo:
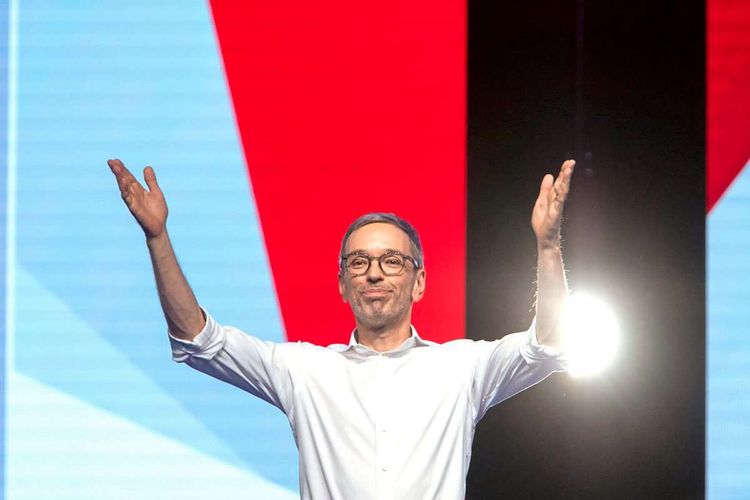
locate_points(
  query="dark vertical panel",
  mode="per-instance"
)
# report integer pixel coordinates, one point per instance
(626, 98)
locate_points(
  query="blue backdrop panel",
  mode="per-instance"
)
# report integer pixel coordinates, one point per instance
(728, 344)
(142, 81)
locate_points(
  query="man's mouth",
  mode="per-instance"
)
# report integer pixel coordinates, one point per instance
(375, 292)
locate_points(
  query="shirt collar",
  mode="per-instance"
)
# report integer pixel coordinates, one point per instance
(414, 340)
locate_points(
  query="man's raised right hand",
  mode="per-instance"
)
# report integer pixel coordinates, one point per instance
(147, 206)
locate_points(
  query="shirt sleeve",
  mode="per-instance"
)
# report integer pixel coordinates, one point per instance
(228, 354)
(510, 365)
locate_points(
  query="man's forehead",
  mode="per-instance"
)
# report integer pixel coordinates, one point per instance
(378, 236)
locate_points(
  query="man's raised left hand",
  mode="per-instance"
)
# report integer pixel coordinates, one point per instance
(546, 218)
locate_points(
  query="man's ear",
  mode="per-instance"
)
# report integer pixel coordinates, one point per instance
(342, 289)
(419, 285)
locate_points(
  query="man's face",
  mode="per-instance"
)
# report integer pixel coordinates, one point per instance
(379, 301)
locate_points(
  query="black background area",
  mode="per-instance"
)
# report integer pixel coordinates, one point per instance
(620, 87)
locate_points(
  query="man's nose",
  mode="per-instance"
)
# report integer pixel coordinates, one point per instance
(375, 274)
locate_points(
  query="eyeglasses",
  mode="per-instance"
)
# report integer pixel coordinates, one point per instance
(391, 263)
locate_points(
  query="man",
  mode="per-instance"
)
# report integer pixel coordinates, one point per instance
(389, 415)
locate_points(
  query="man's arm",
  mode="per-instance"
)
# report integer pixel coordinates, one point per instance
(184, 317)
(552, 287)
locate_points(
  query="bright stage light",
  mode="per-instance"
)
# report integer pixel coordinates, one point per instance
(590, 333)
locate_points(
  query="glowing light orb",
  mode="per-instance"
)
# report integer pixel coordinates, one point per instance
(590, 334)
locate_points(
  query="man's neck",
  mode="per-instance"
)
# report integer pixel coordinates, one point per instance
(384, 340)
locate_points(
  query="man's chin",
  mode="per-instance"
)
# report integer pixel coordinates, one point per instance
(375, 319)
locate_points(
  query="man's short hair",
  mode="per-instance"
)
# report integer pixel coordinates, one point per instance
(387, 218)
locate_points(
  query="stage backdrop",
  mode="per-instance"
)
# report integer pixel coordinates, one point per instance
(728, 265)
(271, 125)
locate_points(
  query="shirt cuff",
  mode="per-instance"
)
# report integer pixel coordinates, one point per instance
(534, 351)
(205, 345)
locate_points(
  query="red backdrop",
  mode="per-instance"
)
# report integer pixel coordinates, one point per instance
(728, 93)
(344, 109)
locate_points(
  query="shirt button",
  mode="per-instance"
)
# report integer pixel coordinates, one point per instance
(382, 430)
(385, 469)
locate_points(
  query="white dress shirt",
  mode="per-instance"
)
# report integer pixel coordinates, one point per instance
(369, 425)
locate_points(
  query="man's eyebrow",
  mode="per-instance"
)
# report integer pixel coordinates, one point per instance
(359, 251)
